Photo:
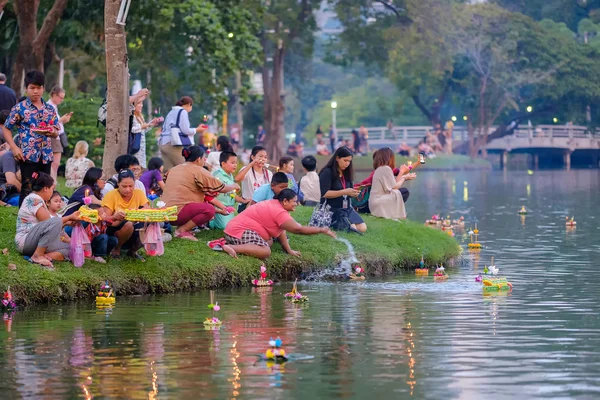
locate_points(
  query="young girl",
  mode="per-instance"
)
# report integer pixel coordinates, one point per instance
(152, 178)
(286, 165)
(54, 204)
(254, 175)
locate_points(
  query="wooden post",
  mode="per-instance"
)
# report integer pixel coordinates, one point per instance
(567, 159)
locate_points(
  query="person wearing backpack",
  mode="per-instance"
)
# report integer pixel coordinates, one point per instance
(177, 133)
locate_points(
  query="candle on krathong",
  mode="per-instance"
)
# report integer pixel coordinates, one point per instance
(87, 200)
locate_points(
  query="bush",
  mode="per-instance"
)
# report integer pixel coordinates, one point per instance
(83, 126)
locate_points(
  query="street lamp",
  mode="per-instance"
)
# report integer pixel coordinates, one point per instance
(333, 118)
(529, 109)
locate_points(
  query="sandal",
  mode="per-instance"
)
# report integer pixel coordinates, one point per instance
(99, 260)
(217, 244)
(137, 257)
(186, 236)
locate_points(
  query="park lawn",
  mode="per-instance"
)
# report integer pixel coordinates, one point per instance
(387, 247)
(442, 162)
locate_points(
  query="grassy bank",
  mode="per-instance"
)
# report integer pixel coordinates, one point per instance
(387, 247)
(442, 162)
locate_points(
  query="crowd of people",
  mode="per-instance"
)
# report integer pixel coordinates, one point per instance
(251, 205)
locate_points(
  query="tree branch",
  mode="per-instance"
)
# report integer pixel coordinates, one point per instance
(399, 16)
(49, 24)
(421, 106)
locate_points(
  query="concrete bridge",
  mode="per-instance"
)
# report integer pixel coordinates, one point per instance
(549, 141)
(542, 141)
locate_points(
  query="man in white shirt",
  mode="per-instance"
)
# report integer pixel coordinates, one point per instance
(309, 183)
(125, 161)
(57, 95)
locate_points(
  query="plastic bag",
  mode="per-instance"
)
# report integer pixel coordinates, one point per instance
(152, 239)
(80, 246)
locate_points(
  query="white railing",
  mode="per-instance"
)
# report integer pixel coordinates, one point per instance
(412, 135)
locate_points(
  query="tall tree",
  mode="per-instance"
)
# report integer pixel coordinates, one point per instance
(33, 42)
(117, 76)
(286, 23)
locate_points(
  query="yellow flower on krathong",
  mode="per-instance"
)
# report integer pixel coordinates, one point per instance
(476, 231)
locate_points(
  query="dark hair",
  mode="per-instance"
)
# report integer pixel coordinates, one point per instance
(155, 163)
(255, 151)
(309, 163)
(279, 177)
(225, 156)
(124, 174)
(56, 90)
(34, 78)
(192, 153)
(332, 163)
(125, 161)
(41, 180)
(384, 156)
(285, 194)
(223, 143)
(54, 194)
(4, 116)
(285, 160)
(91, 179)
(185, 100)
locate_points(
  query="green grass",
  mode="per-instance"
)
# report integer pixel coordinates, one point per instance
(387, 247)
(442, 162)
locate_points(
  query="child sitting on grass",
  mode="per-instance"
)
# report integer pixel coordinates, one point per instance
(152, 177)
(54, 205)
(309, 183)
(286, 165)
(270, 190)
(228, 164)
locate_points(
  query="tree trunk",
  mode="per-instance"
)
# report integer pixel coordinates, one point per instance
(117, 76)
(471, 134)
(32, 44)
(275, 130)
(238, 107)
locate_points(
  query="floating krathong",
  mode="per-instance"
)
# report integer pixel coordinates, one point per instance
(295, 296)
(422, 270)
(440, 274)
(263, 281)
(213, 321)
(106, 296)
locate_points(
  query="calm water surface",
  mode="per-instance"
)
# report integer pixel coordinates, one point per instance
(397, 338)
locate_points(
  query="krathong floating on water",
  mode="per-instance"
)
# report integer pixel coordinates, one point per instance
(459, 223)
(275, 352)
(440, 274)
(358, 274)
(213, 321)
(491, 281)
(523, 210)
(106, 296)
(7, 303)
(435, 220)
(422, 270)
(295, 296)
(474, 245)
(571, 223)
(263, 281)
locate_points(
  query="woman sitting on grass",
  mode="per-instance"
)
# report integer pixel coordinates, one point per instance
(38, 235)
(186, 187)
(387, 198)
(252, 232)
(114, 204)
(336, 188)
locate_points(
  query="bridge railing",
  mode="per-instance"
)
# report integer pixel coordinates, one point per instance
(412, 135)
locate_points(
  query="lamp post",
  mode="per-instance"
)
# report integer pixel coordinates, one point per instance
(333, 119)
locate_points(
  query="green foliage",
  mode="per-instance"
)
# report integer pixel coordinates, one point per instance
(188, 266)
(83, 125)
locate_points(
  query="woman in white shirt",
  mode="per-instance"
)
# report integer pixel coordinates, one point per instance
(254, 175)
(178, 117)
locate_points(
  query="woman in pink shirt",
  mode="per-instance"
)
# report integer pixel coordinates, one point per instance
(252, 232)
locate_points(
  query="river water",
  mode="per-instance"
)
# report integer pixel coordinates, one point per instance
(396, 338)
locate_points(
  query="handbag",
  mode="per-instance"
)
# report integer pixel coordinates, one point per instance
(177, 137)
(321, 216)
(135, 143)
(63, 141)
(80, 246)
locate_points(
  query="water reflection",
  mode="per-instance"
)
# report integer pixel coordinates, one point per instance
(396, 338)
